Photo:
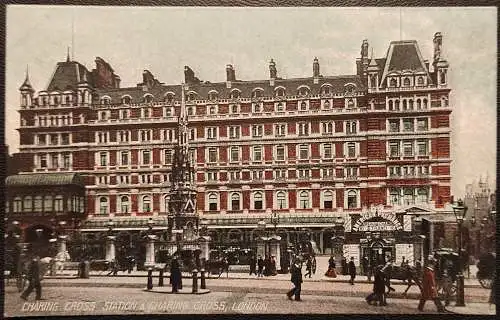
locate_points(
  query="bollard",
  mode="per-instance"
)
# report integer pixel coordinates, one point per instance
(195, 281)
(150, 279)
(203, 284)
(160, 278)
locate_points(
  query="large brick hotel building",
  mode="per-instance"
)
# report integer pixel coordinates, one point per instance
(361, 156)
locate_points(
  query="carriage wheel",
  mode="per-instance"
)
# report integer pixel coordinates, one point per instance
(486, 283)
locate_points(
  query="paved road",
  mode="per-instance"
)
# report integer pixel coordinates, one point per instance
(89, 301)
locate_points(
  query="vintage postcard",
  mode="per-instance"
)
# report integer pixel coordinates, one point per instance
(195, 160)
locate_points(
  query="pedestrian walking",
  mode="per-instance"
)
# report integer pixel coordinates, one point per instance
(253, 265)
(308, 268)
(274, 271)
(113, 268)
(260, 265)
(378, 294)
(267, 266)
(352, 270)
(175, 276)
(34, 279)
(387, 270)
(296, 279)
(429, 291)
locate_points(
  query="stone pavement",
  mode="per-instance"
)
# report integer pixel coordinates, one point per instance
(473, 308)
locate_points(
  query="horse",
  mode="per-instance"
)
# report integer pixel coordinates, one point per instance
(405, 273)
(59, 260)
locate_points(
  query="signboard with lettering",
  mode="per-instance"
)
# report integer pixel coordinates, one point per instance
(375, 221)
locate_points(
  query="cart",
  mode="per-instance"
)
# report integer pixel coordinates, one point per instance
(446, 270)
(486, 270)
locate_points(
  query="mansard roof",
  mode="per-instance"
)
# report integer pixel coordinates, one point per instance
(404, 56)
(245, 88)
(67, 76)
(44, 179)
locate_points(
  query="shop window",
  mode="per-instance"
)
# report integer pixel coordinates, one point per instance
(394, 197)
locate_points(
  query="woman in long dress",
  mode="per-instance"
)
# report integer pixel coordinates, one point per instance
(331, 273)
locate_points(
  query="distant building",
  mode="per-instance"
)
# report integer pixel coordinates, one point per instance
(346, 155)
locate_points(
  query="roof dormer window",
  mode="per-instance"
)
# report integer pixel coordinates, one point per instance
(303, 106)
(105, 100)
(213, 95)
(327, 89)
(257, 93)
(420, 81)
(393, 83)
(169, 98)
(235, 94)
(126, 100)
(406, 82)
(303, 91)
(191, 96)
(148, 98)
(280, 92)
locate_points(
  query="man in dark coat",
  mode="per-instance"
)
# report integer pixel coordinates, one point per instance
(352, 270)
(343, 266)
(429, 291)
(175, 276)
(267, 266)
(378, 289)
(253, 265)
(34, 278)
(260, 264)
(296, 279)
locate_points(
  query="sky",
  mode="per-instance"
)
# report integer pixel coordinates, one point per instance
(164, 39)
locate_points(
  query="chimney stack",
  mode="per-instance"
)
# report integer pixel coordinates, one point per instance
(316, 68)
(230, 74)
(272, 69)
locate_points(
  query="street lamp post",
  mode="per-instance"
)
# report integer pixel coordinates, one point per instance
(460, 210)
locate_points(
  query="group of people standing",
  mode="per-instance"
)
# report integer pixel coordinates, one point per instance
(263, 267)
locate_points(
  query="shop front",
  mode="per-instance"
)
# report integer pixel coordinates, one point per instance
(381, 235)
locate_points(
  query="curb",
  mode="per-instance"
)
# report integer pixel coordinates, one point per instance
(200, 291)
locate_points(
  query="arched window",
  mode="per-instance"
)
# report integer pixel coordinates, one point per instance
(105, 100)
(443, 76)
(352, 199)
(169, 98)
(212, 202)
(303, 92)
(327, 199)
(257, 93)
(422, 195)
(235, 201)
(47, 204)
(424, 104)
(148, 98)
(103, 205)
(420, 81)
(146, 204)
(28, 204)
(405, 105)
(38, 204)
(257, 201)
(393, 83)
(213, 95)
(126, 100)
(409, 198)
(406, 82)
(68, 99)
(18, 205)
(326, 90)
(165, 203)
(281, 199)
(124, 204)
(191, 96)
(326, 104)
(235, 94)
(396, 104)
(410, 104)
(304, 199)
(419, 104)
(394, 196)
(280, 92)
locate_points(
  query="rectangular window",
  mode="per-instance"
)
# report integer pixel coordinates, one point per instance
(234, 132)
(328, 172)
(42, 140)
(168, 156)
(66, 160)
(351, 172)
(55, 161)
(146, 157)
(407, 148)
(257, 153)
(422, 148)
(235, 154)
(212, 155)
(351, 127)
(280, 130)
(43, 161)
(422, 124)
(53, 139)
(303, 129)
(145, 135)
(257, 130)
(351, 150)
(124, 158)
(394, 125)
(212, 176)
(104, 159)
(327, 127)
(304, 152)
(303, 173)
(327, 151)
(65, 138)
(234, 175)
(212, 133)
(257, 174)
(280, 174)
(280, 153)
(394, 149)
(408, 125)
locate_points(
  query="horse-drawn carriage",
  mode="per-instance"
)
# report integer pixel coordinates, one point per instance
(446, 270)
(486, 270)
